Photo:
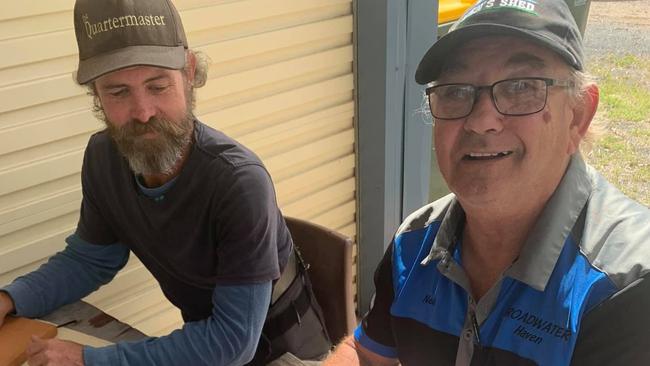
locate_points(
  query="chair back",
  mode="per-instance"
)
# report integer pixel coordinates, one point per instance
(328, 254)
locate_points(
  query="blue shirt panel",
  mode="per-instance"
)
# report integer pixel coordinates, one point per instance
(543, 325)
(538, 325)
(376, 347)
(421, 292)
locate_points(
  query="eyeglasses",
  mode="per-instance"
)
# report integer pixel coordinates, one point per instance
(511, 97)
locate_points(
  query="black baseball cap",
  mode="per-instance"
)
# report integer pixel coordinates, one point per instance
(114, 34)
(548, 23)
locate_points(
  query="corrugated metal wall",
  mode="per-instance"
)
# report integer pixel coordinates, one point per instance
(281, 82)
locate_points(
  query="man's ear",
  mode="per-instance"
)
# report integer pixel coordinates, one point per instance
(190, 67)
(583, 113)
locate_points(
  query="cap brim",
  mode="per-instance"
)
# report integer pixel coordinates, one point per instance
(431, 64)
(159, 56)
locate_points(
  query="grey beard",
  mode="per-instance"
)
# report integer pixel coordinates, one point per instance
(158, 155)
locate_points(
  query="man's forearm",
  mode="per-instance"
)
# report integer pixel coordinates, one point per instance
(67, 277)
(228, 337)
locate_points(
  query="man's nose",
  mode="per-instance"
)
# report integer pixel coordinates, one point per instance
(485, 118)
(142, 107)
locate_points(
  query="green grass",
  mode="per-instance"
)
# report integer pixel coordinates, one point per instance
(625, 94)
(622, 153)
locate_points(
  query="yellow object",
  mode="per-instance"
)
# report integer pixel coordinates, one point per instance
(15, 335)
(450, 10)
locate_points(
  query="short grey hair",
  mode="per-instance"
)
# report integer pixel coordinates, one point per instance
(582, 81)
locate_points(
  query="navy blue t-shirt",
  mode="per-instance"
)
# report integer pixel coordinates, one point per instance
(218, 224)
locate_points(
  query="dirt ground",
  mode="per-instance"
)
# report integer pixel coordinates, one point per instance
(636, 12)
(618, 26)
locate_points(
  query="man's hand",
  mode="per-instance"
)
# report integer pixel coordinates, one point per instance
(54, 352)
(350, 353)
(6, 306)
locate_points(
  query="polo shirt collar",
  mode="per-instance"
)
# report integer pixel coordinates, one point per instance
(447, 234)
(544, 244)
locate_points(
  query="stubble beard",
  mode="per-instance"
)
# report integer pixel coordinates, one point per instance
(152, 155)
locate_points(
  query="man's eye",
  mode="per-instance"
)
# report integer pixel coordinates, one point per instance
(158, 88)
(520, 86)
(118, 92)
(455, 92)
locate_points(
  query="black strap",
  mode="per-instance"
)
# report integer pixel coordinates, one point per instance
(290, 316)
(287, 277)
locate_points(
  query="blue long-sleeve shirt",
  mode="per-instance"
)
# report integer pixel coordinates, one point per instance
(228, 337)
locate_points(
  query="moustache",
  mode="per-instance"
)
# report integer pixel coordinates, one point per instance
(135, 128)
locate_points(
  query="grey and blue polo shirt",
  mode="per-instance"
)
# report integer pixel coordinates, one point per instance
(578, 294)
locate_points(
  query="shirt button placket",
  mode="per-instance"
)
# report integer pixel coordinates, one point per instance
(468, 334)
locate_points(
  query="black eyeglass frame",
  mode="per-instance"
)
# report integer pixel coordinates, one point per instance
(478, 88)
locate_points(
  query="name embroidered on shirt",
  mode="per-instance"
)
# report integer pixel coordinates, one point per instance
(428, 299)
(92, 29)
(522, 332)
(543, 325)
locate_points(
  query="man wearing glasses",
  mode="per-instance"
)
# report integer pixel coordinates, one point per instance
(534, 259)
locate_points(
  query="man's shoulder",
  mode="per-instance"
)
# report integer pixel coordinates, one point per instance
(218, 147)
(616, 234)
(99, 140)
(100, 148)
(615, 331)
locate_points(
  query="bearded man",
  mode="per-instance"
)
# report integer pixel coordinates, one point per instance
(196, 207)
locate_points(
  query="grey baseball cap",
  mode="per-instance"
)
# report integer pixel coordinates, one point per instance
(548, 23)
(114, 34)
